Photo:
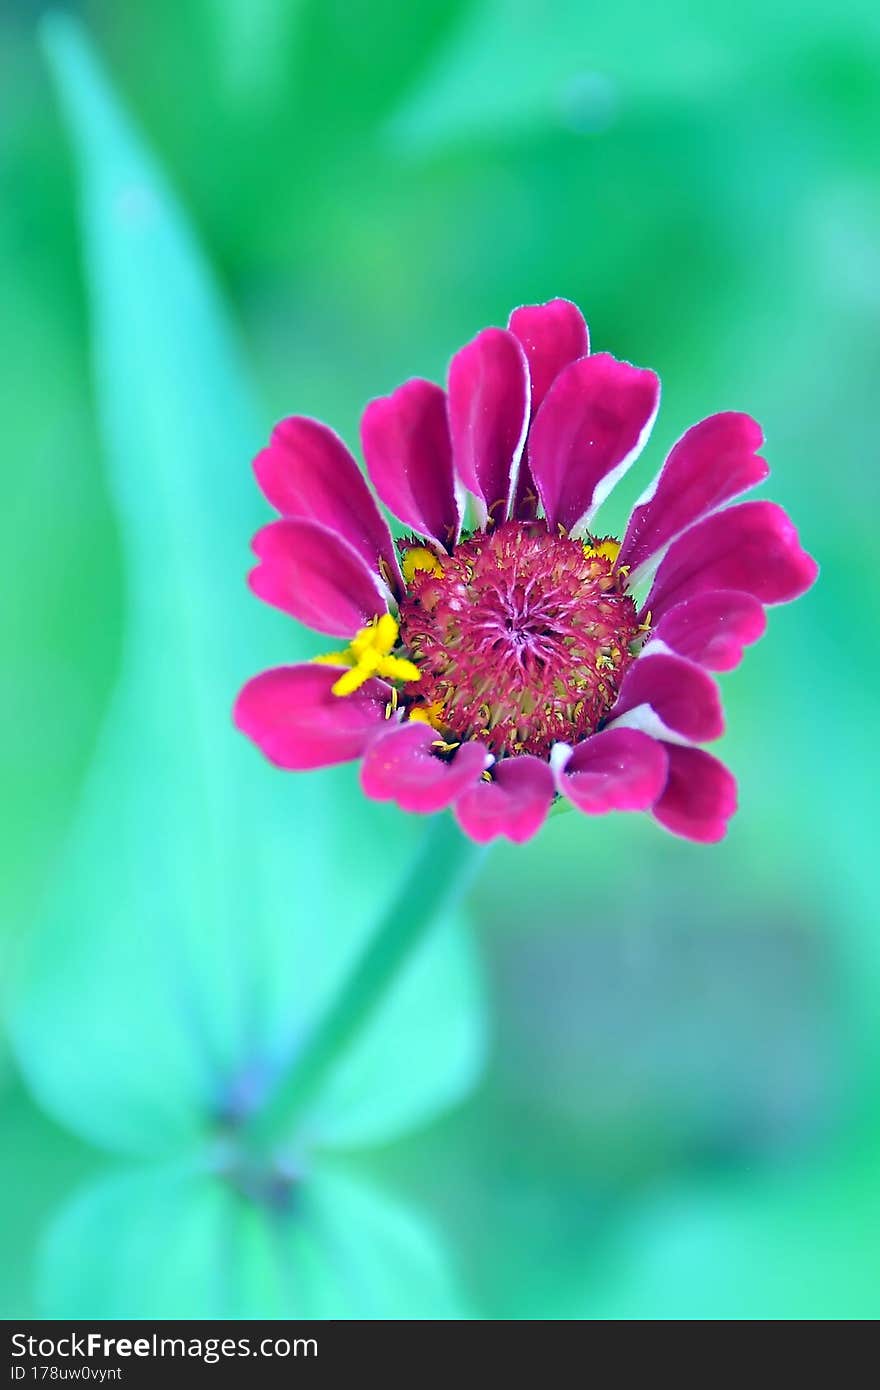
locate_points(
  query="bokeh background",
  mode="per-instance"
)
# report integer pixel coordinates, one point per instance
(640, 1078)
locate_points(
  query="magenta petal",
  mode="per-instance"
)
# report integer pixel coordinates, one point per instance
(488, 406)
(592, 426)
(669, 697)
(307, 472)
(617, 770)
(292, 716)
(714, 461)
(406, 445)
(712, 628)
(315, 576)
(403, 766)
(514, 804)
(752, 547)
(552, 335)
(700, 796)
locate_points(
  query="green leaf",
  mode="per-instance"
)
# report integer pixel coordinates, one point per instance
(185, 1245)
(411, 1061)
(515, 65)
(208, 906)
(786, 1246)
(39, 1163)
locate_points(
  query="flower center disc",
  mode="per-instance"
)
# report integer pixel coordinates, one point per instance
(521, 639)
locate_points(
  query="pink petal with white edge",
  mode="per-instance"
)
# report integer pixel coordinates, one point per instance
(617, 770)
(295, 720)
(403, 766)
(670, 698)
(752, 547)
(488, 403)
(714, 461)
(316, 577)
(552, 335)
(307, 472)
(406, 444)
(592, 426)
(514, 804)
(700, 796)
(712, 628)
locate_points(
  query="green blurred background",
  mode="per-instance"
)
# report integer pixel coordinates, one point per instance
(651, 1089)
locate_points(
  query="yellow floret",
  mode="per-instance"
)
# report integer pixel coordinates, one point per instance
(607, 547)
(369, 654)
(419, 557)
(428, 714)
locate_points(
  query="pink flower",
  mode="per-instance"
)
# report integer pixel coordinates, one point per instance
(494, 667)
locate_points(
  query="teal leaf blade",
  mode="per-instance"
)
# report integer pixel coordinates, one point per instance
(186, 1245)
(384, 1086)
(172, 1236)
(207, 906)
(797, 1245)
(39, 1164)
(513, 67)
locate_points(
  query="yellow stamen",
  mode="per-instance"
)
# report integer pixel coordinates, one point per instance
(369, 654)
(419, 557)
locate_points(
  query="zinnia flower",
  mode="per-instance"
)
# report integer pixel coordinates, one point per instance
(507, 652)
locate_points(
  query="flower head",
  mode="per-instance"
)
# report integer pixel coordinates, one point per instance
(507, 652)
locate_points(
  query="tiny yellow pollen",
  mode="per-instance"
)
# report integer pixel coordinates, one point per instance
(419, 557)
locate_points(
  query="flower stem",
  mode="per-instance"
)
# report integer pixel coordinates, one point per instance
(444, 863)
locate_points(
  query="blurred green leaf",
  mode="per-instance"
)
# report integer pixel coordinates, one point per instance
(186, 1245)
(38, 1165)
(169, 1253)
(58, 660)
(411, 1060)
(207, 906)
(783, 1246)
(514, 64)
